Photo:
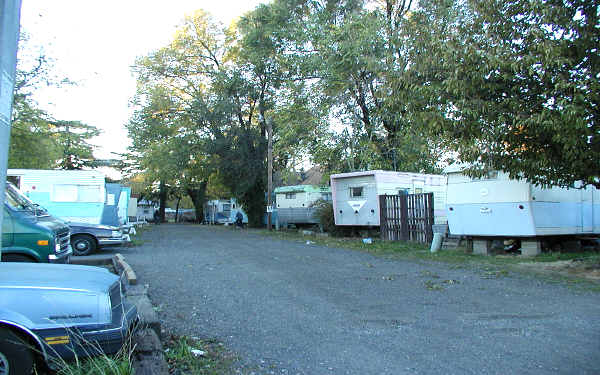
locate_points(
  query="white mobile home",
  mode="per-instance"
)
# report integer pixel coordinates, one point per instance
(294, 203)
(223, 211)
(145, 210)
(76, 196)
(496, 206)
(355, 194)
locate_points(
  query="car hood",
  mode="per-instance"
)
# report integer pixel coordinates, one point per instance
(49, 296)
(52, 223)
(56, 276)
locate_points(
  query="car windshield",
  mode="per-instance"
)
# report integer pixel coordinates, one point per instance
(19, 202)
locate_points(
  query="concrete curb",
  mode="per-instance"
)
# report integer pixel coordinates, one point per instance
(147, 358)
(123, 267)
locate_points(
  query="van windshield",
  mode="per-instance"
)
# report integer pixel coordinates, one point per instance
(19, 202)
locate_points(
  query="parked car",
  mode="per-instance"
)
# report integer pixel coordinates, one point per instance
(87, 238)
(30, 234)
(54, 312)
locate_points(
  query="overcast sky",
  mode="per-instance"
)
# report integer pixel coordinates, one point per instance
(94, 43)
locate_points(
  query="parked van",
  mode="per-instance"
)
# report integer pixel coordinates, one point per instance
(30, 234)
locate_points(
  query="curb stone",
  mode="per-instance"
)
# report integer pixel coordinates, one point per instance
(124, 268)
(147, 358)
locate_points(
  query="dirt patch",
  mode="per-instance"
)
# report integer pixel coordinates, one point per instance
(574, 267)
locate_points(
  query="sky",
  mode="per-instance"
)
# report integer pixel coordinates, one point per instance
(94, 43)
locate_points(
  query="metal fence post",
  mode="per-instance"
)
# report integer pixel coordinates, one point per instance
(10, 14)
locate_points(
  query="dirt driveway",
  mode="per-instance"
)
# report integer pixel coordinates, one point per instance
(292, 308)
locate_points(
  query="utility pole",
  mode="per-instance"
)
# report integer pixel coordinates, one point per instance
(10, 14)
(269, 169)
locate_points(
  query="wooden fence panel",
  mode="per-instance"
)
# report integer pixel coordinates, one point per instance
(406, 217)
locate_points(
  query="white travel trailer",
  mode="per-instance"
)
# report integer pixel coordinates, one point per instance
(294, 203)
(77, 196)
(355, 194)
(496, 206)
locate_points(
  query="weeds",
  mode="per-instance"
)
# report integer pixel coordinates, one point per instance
(195, 356)
(95, 361)
(430, 285)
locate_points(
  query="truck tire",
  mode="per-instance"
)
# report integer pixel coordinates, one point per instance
(83, 244)
(16, 258)
(16, 357)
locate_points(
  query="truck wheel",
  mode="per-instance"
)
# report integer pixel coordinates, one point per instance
(83, 244)
(15, 356)
(16, 258)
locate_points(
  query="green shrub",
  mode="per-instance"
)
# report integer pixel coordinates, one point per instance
(326, 218)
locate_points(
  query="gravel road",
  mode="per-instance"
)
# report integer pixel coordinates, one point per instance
(292, 308)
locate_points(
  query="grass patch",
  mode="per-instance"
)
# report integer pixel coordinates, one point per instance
(491, 267)
(98, 363)
(101, 365)
(195, 356)
(136, 238)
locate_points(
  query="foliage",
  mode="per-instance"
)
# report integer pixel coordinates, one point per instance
(71, 139)
(39, 141)
(326, 217)
(370, 84)
(215, 359)
(168, 139)
(516, 86)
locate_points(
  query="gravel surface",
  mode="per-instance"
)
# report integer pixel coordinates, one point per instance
(292, 308)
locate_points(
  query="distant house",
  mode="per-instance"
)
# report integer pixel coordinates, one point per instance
(145, 210)
(223, 211)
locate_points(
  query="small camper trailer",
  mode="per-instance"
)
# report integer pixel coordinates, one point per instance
(76, 196)
(145, 210)
(223, 211)
(355, 194)
(496, 206)
(294, 203)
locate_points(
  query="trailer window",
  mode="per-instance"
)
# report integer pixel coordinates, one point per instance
(489, 175)
(356, 192)
(290, 195)
(77, 193)
(65, 193)
(326, 196)
(91, 193)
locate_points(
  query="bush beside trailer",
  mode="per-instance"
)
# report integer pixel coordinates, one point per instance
(355, 194)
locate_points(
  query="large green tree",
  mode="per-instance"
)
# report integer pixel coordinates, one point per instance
(516, 86)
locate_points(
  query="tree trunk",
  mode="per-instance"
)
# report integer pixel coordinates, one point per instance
(198, 197)
(177, 209)
(162, 198)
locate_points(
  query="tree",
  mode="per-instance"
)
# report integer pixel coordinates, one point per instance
(71, 138)
(38, 141)
(167, 141)
(517, 87)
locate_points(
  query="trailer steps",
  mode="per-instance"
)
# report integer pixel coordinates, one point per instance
(451, 242)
